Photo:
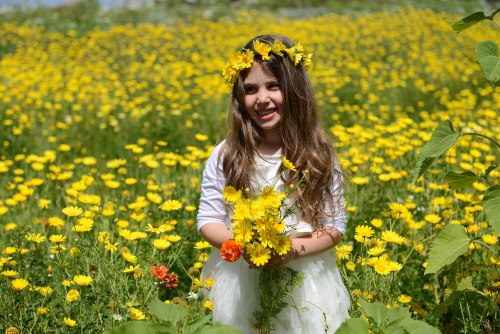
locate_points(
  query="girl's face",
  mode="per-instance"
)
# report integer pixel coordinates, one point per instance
(263, 99)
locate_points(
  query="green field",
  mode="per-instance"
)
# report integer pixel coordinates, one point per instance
(107, 120)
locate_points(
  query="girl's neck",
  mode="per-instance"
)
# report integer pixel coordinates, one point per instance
(270, 147)
(273, 142)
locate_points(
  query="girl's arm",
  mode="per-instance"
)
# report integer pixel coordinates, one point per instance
(212, 211)
(319, 241)
(215, 233)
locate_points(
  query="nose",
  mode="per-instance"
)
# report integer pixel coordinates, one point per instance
(262, 97)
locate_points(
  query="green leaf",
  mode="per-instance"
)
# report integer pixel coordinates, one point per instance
(420, 327)
(449, 244)
(421, 168)
(468, 21)
(141, 327)
(195, 325)
(466, 284)
(491, 205)
(172, 313)
(218, 328)
(394, 329)
(489, 170)
(398, 316)
(460, 180)
(441, 140)
(377, 312)
(353, 326)
(487, 55)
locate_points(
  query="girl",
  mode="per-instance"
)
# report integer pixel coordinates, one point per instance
(273, 113)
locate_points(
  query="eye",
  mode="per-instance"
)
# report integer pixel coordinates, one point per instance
(274, 86)
(250, 89)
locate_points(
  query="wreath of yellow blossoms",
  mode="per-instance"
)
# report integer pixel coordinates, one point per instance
(244, 59)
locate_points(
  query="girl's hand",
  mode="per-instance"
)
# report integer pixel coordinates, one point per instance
(277, 261)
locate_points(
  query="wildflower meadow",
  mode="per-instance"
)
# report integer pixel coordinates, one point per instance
(104, 135)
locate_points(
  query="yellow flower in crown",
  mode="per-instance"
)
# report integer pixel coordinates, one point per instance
(242, 60)
(238, 62)
(278, 48)
(307, 60)
(230, 73)
(298, 53)
(295, 53)
(262, 48)
(245, 58)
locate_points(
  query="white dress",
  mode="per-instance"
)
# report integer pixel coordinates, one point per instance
(322, 300)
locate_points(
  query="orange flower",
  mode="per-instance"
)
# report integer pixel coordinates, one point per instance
(230, 251)
(159, 272)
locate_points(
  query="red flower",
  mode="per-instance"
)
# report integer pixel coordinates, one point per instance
(230, 251)
(170, 281)
(159, 272)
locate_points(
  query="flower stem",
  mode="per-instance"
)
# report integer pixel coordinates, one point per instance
(484, 136)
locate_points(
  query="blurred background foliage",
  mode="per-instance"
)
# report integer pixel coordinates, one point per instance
(85, 15)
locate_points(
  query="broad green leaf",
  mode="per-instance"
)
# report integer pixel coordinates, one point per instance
(394, 329)
(218, 328)
(421, 168)
(420, 327)
(449, 244)
(466, 284)
(460, 180)
(141, 327)
(463, 284)
(353, 326)
(491, 205)
(487, 55)
(398, 316)
(172, 313)
(196, 325)
(468, 21)
(376, 311)
(441, 140)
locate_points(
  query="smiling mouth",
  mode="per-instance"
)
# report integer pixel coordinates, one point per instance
(266, 112)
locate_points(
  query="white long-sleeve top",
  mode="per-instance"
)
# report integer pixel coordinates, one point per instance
(213, 207)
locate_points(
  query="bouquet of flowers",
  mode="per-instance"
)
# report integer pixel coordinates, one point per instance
(259, 230)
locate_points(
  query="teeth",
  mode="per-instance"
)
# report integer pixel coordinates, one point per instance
(265, 112)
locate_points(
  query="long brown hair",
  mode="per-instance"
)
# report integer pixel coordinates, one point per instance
(305, 143)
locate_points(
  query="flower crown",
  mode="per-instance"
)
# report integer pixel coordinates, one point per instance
(244, 59)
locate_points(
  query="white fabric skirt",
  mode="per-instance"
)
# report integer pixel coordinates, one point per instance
(322, 300)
